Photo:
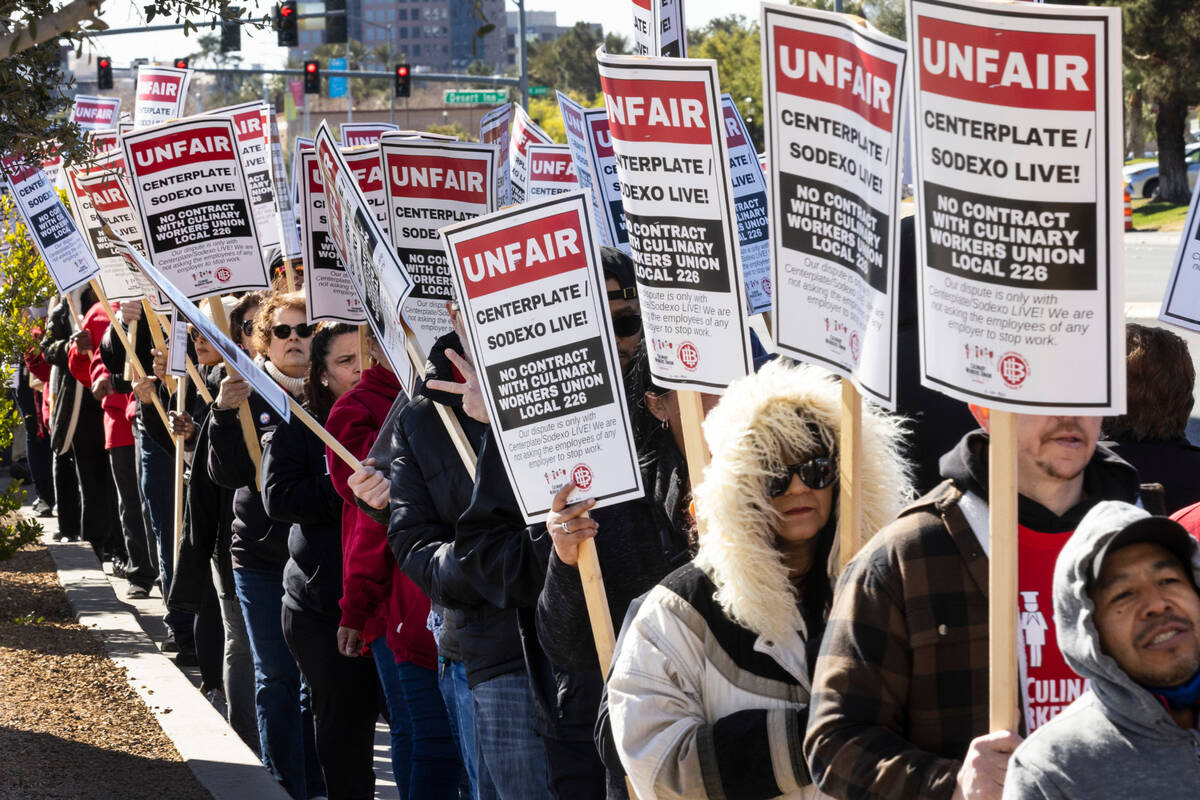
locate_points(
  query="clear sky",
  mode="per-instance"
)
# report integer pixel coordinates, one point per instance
(258, 47)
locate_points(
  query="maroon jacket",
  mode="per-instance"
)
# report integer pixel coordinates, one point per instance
(373, 588)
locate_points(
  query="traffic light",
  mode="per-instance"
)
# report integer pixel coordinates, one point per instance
(403, 81)
(231, 31)
(335, 21)
(181, 63)
(312, 77)
(104, 73)
(287, 22)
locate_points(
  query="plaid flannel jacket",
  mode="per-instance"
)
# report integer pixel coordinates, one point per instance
(901, 685)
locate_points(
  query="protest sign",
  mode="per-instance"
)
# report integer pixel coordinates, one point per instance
(356, 134)
(575, 124)
(668, 138)
(252, 126)
(1181, 303)
(289, 233)
(658, 28)
(551, 171)
(750, 201)
(194, 206)
(237, 358)
(367, 167)
(57, 238)
(495, 128)
(104, 141)
(532, 295)
(431, 185)
(95, 113)
(524, 131)
(299, 145)
(380, 280)
(833, 101)
(177, 350)
(160, 95)
(1021, 273)
(604, 173)
(119, 279)
(330, 293)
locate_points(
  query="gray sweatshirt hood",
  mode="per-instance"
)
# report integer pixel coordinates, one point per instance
(1129, 705)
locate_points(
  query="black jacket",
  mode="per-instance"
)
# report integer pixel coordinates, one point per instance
(1175, 463)
(297, 489)
(55, 344)
(207, 514)
(430, 490)
(257, 541)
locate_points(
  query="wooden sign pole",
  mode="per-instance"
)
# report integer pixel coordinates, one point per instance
(1003, 704)
(850, 457)
(127, 375)
(289, 267)
(364, 348)
(691, 415)
(325, 436)
(180, 449)
(156, 335)
(249, 432)
(129, 357)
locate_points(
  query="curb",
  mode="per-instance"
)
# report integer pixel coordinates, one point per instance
(221, 762)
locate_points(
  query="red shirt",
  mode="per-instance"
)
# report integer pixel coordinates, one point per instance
(87, 368)
(1048, 685)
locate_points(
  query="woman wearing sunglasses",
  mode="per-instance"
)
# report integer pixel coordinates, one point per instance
(259, 544)
(708, 695)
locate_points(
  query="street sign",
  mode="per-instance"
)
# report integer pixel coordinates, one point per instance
(469, 96)
(539, 91)
(337, 86)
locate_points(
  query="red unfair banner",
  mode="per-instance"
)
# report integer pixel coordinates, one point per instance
(190, 146)
(659, 111)
(162, 89)
(524, 254)
(1021, 69)
(833, 70)
(366, 169)
(248, 124)
(436, 177)
(546, 165)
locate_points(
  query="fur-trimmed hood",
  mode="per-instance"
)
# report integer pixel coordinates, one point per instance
(781, 408)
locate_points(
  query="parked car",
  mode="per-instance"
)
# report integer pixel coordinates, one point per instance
(1143, 178)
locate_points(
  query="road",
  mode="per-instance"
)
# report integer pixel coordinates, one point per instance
(1148, 258)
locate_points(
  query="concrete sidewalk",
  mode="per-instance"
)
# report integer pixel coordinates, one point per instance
(221, 762)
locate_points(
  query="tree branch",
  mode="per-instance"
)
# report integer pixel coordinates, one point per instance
(49, 27)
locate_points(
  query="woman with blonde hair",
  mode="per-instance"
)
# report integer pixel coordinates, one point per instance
(709, 690)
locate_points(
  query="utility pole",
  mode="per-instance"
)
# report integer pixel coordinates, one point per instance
(349, 88)
(524, 53)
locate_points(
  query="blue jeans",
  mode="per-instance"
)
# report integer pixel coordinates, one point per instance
(401, 726)
(510, 753)
(285, 725)
(157, 478)
(452, 680)
(435, 762)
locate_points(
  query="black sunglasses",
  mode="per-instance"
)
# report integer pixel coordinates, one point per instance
(627, 325)
(816, 473)
(303, 330)
(195, 334)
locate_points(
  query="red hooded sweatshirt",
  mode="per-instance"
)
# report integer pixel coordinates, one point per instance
(372, 584)
(88, 368)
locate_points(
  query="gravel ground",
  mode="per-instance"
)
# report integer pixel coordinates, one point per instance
(70, 725)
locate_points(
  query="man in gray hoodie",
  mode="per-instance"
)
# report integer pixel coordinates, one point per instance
(1127, 611)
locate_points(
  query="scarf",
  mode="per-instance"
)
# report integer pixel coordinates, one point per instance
(293, 386)
(1185, 695)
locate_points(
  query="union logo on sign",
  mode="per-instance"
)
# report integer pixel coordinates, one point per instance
(1013, 369)
(689, 356)
(581, 474)
(855, 347)
(224, 274)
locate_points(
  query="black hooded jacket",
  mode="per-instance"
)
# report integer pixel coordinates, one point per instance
(430, 490)
(297, 489)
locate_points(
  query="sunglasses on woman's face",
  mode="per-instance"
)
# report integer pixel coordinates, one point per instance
(195, 334)
(303, 330)
(816, 473)
(627, 325)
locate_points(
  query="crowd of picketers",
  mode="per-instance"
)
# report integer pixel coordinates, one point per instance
(316, 599)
